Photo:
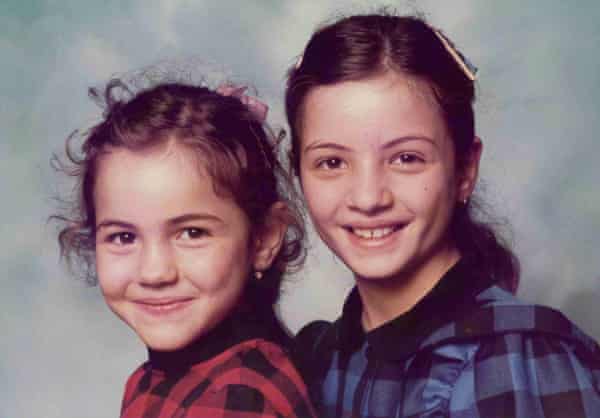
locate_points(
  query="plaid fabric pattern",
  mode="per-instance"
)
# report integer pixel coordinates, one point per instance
(253, 379)
(504, 359)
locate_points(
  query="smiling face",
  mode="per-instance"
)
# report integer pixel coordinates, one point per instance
(378, 172)
(172, 257)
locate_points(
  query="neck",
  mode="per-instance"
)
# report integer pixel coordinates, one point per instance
(386, 299)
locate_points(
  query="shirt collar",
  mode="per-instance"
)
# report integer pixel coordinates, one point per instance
(239, 326)
(451, 298)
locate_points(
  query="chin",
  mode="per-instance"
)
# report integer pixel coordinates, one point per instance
(374, 273)
(376, 267)
(166, 341)
(383, 272)
(163, 345)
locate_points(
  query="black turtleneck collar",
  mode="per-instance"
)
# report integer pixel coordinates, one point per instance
(451, 298)
(239, 326)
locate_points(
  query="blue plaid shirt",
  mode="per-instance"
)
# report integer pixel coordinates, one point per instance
(459, 353)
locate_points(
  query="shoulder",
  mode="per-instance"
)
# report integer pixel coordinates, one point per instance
(508, 328)
(311, 345)
(499, 313)
(136, 388)
(529, 361)
(311, 335)
(502, 313)
(528, 375)
(260, 377)
(137, 381)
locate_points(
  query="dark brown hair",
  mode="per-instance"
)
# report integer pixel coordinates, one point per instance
(365, 46)
(238, 151)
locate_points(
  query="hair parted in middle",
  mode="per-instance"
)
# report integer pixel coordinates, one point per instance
(361, 47)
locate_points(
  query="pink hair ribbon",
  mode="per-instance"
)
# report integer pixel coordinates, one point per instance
(256, 107)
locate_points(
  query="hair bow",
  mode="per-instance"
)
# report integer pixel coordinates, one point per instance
(256, 107)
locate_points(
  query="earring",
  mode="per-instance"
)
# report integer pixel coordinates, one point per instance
(258, 274)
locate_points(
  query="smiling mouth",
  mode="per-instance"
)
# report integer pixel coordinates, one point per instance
(374, 233)
(163, 306)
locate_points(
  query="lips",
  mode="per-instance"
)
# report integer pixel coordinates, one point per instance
(163, 305)
(374, 233)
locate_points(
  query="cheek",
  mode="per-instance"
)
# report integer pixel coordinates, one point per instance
(114, 273)
(217, 268)
(320, 208)
(432, 193)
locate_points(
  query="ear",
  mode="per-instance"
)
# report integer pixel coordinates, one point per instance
(470, 172)
(269, 239)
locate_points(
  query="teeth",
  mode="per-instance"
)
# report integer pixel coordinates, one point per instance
(373, 233)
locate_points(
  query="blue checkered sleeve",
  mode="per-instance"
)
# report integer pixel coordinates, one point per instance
(527, 375)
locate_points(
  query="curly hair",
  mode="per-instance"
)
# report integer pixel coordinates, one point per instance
(238, 151)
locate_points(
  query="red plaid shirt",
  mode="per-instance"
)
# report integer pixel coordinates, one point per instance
(225, 375)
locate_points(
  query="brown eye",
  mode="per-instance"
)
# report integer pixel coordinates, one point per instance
(192, 233)
(331, 163)
(407, 158)
(121, 238)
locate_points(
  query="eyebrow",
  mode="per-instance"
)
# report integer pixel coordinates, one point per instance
(173, 221)
(390, 144)
(194, 217)
(114, 223)
(325, 145)
(396, 141)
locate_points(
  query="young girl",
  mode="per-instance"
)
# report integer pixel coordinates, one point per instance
(381, 117)
(182, 213)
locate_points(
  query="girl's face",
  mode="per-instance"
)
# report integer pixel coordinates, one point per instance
(172, 257)
(377, 168)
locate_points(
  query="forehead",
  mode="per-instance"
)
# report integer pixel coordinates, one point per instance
(165, 168)
(152, 160)
(372, 111)
(150, 188)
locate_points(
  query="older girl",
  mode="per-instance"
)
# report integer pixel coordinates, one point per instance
(381, 114)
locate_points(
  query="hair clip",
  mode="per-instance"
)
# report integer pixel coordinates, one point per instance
(299, 61)
(467, 66)
(256, 107)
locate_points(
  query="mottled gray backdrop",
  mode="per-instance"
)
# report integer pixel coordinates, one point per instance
(63, 354)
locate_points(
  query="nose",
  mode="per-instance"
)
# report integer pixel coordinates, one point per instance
(157, 266)
(370, 193)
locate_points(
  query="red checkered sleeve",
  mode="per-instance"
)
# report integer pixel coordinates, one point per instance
(254, 379)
